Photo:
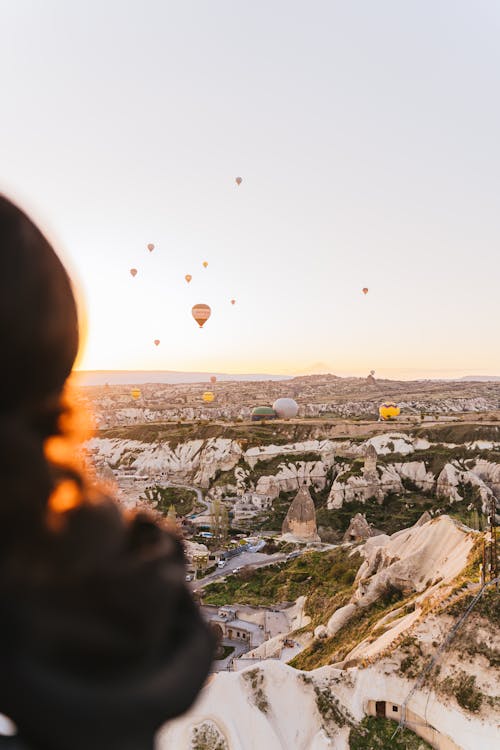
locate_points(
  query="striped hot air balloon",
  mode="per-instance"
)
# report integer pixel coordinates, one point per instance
(201, 314)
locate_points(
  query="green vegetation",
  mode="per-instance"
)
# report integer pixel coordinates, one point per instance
(462, 687)
(412, 663)
(326, 579)
(393, 514)
(332, 712)
(331, 650)
(219, 523)
(248, 434)
(255, 679)
(436, 457)
(224, 652)
(377, 734)
(488, 605)
(469, 510)
(207, 736)
(458, 433)
(274, 517)
(222, 478)
(268, 466)
(355, 470)
(162, 498)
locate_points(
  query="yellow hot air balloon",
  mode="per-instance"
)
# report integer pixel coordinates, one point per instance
(188, 277)
(389, 410)
(201, 314)
(135, 393)
(239, 180)
(205, 264)
(208, 397)
(151, 247)
(133, 271)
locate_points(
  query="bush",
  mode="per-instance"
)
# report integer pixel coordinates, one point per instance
(463, 688)
(377, 734)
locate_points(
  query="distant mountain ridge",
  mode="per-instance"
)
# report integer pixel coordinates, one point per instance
(481, 378)
(172, 377)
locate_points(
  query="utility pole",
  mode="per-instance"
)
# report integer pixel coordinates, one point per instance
(491, 568)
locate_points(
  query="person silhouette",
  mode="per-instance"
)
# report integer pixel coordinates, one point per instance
(100, 639)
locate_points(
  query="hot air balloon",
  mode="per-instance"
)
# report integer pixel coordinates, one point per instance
(263, 413)
(133, 271)
(213, 379)
(135, 393)
(389, 410)
(157, 342)
(188, 277)
(286, 408)
(233, 301)
(205, 264)
(208, 397)
(151, 247)
(365, 290)
(201, 314)
(239, 180)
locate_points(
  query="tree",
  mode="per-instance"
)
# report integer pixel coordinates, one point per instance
(219, 522)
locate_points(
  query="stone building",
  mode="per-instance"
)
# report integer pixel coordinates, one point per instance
(300, 521)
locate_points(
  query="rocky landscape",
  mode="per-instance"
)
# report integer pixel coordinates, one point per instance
(389, 569)
(424, 468)
(318, 396)
(409, 592)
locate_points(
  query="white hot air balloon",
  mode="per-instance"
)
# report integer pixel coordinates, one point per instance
(286, 408)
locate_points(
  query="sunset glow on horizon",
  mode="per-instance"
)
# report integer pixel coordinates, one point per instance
(366, 136)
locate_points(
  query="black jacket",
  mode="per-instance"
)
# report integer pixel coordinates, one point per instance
(103, 645)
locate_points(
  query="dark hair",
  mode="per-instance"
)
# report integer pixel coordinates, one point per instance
(100, 640)
(39, 343)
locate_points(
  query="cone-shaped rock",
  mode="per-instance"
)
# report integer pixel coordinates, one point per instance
(300, 520)
(359, 529)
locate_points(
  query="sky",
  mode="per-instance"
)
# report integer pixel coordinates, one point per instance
(367, 137)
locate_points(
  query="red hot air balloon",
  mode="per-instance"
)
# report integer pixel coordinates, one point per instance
(133, 271)
(201, 314)
(151, 247)
(188, 277)
(213, 379)
(239, 180)
(233, 301)
(365, 290)
(157, 342)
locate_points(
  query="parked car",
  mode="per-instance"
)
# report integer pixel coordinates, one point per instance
(189, 577)
(221, 564)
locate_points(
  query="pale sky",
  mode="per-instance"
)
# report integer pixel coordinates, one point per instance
(368, 138)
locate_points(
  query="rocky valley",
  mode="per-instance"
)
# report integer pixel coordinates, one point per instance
(372, 533)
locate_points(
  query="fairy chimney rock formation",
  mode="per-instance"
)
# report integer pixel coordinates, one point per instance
(370, 465)
(359, 529)
(300, 520)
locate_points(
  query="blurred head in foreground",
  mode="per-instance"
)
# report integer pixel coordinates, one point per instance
(100, 641)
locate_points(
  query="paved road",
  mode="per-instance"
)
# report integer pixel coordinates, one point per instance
(199, 495)
(252, 559)
(240, 648)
